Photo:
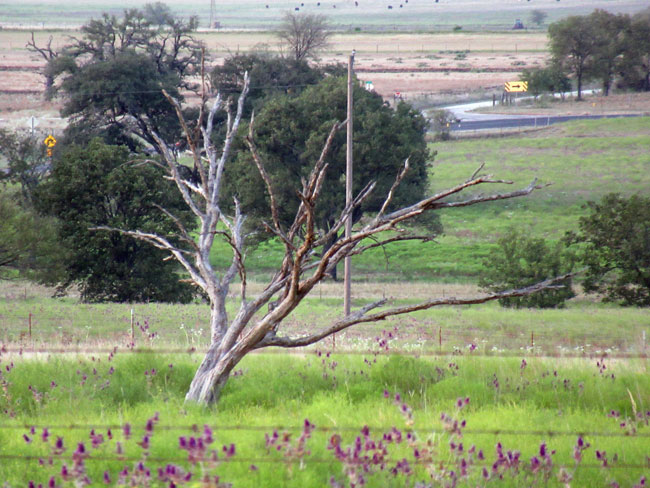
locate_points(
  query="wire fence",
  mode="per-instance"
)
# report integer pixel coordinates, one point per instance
(330, 429)
(276, 460)
(26, 351)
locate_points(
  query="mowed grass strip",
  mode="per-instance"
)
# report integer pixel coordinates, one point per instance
(583, 327)
(516, 403)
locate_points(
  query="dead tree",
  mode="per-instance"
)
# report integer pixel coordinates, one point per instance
(48, 54)
(257, 322)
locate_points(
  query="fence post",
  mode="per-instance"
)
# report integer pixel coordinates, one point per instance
(132, 328)
(532, 338)
(30, 325)
(440, 338)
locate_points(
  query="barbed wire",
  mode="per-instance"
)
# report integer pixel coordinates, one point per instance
(269, 460)
(457, 352)
(328, 429)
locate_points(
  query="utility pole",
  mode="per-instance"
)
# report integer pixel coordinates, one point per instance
(348, 187)
(212, 13)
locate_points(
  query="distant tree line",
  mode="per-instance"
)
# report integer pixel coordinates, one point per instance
(613, 49)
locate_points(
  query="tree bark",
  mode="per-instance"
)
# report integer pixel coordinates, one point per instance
(212, 375)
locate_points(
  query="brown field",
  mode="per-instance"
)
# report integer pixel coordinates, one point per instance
(427, 68)
(417, 65)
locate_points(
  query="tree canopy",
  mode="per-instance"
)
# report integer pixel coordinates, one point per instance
(26, 162)
(114, 74)
(28, 246)
(289, 133)
(603, 46)
(573, 46)
(98, 185)
(520, 260)
(304, 34)
(616, 236)
(271, 75)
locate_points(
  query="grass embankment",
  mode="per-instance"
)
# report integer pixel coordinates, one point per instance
(582, 161)
(518, 404)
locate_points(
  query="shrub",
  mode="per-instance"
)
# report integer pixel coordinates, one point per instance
(616, 253)
(519, 261)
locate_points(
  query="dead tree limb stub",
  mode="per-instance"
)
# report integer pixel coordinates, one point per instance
(257, 322)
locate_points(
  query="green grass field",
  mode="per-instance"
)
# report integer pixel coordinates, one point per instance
(581, 161)
(531, 376)
(519, 406)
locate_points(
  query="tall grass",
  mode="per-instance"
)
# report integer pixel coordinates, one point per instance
(337, 393)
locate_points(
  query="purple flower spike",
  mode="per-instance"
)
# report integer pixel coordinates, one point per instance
(107, 478)
(126, 430)
(58, 446)
(386, 394)
(207, 434)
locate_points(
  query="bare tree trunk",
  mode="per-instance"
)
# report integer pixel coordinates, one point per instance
(212, 375)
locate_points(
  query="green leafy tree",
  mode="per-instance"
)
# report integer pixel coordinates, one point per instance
(114, 74)
(289, 133)
(271, 75)
(616, 240)
(609, 33)
(549, 79)
(441, 121)
(158, 13)
(26, 163)
(635, 64)
(519, 261)
(98, 185)
(573, 45)
(28, 246)
(123, 93)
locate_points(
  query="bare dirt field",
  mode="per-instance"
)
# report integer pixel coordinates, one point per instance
(425, 68)
(416, 65)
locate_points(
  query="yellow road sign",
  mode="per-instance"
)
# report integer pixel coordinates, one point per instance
(50, 141)
(516, 86)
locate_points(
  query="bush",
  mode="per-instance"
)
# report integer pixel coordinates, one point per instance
(441, 121)
(521, 261)
(616, 235)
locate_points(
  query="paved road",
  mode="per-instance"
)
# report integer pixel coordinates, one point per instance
(470, 120)
(510, 121)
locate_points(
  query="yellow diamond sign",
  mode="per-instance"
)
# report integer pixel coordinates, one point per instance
(50, 141)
